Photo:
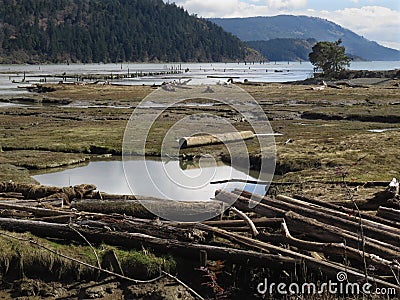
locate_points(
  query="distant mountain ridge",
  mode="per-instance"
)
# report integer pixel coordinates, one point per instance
(303, 28)
(87, 31)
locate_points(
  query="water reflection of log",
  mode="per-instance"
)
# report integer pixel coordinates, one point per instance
(205, 163)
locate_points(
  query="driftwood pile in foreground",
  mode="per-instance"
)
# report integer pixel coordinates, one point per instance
(280, 232)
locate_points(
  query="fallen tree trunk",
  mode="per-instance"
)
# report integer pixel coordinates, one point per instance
(138, 240)
(200, 140)
(182, 210)
(128, 207)
(37, 211)
(313, 228)
(338, 207)
(339, 219)
(35, 191)
(389, 213)
(340, 249)
(325, 266)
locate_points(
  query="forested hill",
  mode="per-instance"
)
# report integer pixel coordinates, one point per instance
(109, 31)
(303, 27)
(284, 49)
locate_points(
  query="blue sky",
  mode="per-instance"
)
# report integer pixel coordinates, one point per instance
(377, 20)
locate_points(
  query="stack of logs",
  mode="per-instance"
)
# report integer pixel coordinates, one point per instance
(258, 230)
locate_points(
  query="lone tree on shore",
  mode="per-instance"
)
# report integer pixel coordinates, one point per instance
(329, 57)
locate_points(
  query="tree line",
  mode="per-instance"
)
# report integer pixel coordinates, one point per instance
(110, 31)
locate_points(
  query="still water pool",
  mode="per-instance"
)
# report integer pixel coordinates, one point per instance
(161, 179)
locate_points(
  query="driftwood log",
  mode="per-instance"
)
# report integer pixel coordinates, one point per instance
(200, 140)
(329, 216)
(389, 213)
(177, 210)
(314, 228)
(138, 240)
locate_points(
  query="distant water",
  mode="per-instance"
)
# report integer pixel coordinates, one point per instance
(11, 76)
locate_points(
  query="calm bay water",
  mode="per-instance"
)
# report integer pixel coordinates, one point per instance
(11, 76)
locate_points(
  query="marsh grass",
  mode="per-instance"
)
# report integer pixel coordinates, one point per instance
(21, 259)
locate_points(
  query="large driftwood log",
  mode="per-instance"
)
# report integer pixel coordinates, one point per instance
(209, 139)
(354, 216)
(384, 266)
(325, 266)
(37, 211)
(178, 210)
(331, 217)
(128, 207)
(350, 211)
(389, 213)
(138, 240)
(35, 191)
(313, 228)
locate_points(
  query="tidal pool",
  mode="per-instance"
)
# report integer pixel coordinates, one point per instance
(154, 178)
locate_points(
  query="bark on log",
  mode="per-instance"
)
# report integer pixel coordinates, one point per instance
(209, 139)
(128, 207)
(34, 191)
(389, 213)
(180, 210)
(154, 228)
(37, 211)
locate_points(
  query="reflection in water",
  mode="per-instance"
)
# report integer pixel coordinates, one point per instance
(109, 177)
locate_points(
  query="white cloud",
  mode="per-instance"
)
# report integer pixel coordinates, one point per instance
(238, 8)
(375, 23)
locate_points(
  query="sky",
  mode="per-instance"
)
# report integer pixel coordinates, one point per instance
(376, 20)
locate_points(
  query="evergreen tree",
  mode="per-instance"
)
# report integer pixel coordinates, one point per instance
(329, 57)
(110, 31)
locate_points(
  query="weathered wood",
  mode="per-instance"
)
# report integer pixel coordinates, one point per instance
(381, 198)
(37, 211)
(327, 267)
(328, 233)
(338, 219)
(347, 216)
(340, 249)
(267, 222)
(138, 240)
(209, 139)
(249, 222)
(127, 207)
(389, 213)
(351, 211)
(313, 228)
(152, 227)
(35, 191)
(184, 210)
(11, 195)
